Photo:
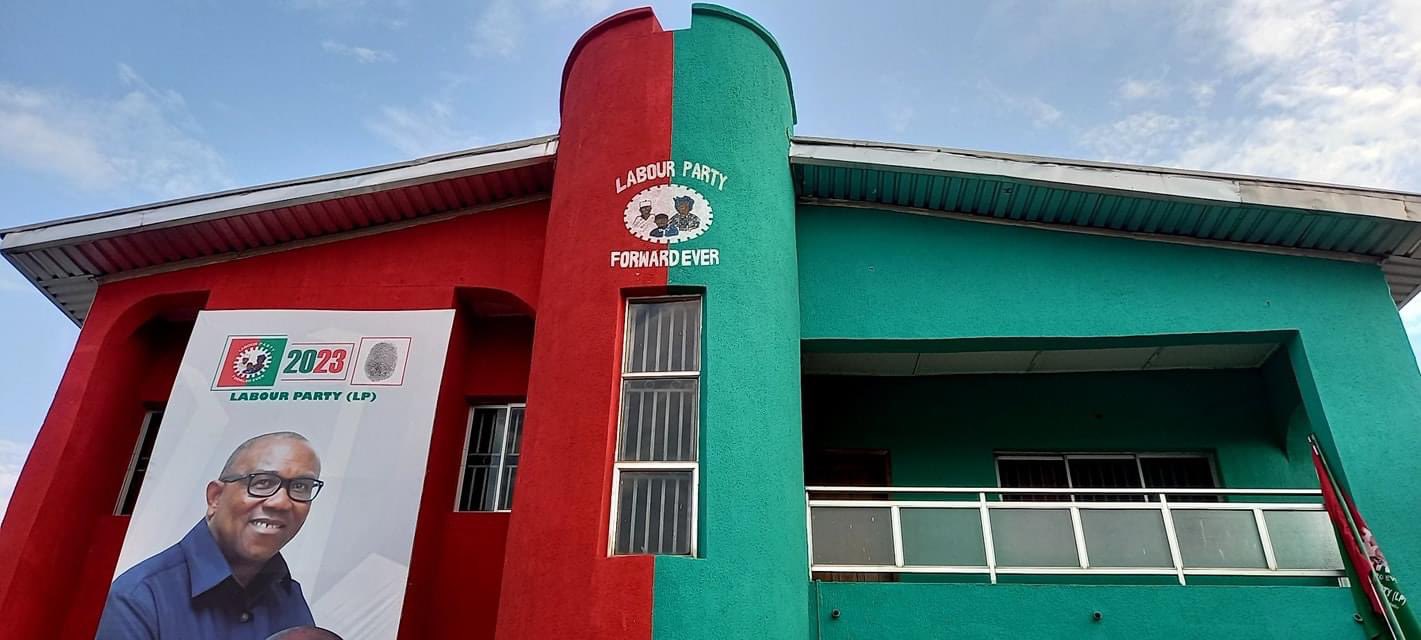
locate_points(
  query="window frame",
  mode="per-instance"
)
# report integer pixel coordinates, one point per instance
(618, 466)
(502, 455)
(148, 415)
(1066, 456)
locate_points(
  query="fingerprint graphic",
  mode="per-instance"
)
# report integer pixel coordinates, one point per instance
(381, 362)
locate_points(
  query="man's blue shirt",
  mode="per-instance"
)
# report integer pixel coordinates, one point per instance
(187, 592)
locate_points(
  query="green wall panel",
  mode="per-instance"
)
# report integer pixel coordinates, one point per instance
(732, 110)
(942, 430)
(1050, 612)
(873, 279)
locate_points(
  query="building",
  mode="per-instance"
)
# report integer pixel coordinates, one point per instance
(1147, 349)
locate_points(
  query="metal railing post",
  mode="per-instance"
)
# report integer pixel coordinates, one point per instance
(851, 559)
(987, 546)
(896, 518)
(1265, 539)
(809, 532)
(1173, 537)
(1078, 532)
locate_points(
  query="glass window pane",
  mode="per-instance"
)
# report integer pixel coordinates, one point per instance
(1218, 539)
(1043, 474)
(1033, 538)
(942, 537)
(654, 513)
(140, 463)
(1125, 538)
(511, 454)
(480, 484)
(1302, 540)
(852, 535)
(663, 336)
(659, 419)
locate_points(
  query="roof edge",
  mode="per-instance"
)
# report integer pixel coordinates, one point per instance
(850, 142)
(233, 201)
(1214, 187)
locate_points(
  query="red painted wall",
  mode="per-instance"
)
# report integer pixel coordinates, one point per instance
(557, 580)
(458, 559)
(538, 313)
(59, 542)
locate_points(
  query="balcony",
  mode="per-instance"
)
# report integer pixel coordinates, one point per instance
(1183, 533)
(1016, 493)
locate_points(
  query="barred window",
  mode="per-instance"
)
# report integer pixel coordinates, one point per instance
(1104, 471)
(491, 453)
(656, 473)
(138, 464)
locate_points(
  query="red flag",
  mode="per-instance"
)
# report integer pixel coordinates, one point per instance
(1360, 562)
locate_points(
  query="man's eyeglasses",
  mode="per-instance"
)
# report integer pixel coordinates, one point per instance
(265, 485)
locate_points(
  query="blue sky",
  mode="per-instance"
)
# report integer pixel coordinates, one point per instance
(104, 105)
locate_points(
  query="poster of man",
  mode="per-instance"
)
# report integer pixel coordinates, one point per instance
(281, 498)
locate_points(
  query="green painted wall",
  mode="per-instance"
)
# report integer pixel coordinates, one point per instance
(732, 110)
(887, 610)
(879, 276)
(943, 430)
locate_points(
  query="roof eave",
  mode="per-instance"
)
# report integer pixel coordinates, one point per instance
(1137, 180)
(280, 194)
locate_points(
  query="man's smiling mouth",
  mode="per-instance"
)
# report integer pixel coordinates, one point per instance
(263, 524)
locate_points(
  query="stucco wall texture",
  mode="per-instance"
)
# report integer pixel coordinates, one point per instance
(789, 278)
(881, 278)
(943, 431)
(732, 108)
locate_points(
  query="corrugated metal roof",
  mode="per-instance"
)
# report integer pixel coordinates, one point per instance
(1239, 212)
(66, 258)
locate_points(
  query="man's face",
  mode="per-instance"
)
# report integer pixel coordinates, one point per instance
(645, 211)
(251, 530)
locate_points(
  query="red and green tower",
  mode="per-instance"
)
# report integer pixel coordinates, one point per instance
(706, 114)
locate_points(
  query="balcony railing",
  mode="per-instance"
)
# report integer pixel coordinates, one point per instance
(1178, 532)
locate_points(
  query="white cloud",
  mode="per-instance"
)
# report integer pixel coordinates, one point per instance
(144, 138)
(1203, 94)
(421, 131)
(1329, 91)
(1041, 113)
(583, 7)
(12, 457)
(361, 54)
(900, 117)
(498, 31)
(1132, 89)
(1147, 134)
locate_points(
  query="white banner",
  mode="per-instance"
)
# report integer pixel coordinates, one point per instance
(341, 406)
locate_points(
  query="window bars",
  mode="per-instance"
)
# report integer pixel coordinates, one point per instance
(655, 479)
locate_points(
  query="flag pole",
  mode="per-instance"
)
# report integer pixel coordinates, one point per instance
(1393, 625)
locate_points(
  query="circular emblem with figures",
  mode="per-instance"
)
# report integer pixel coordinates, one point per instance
(252, 362)
(668, 213)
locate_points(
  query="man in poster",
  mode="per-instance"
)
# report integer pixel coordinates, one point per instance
(226, 579)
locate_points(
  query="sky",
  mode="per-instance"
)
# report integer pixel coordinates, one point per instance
(106, 104)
